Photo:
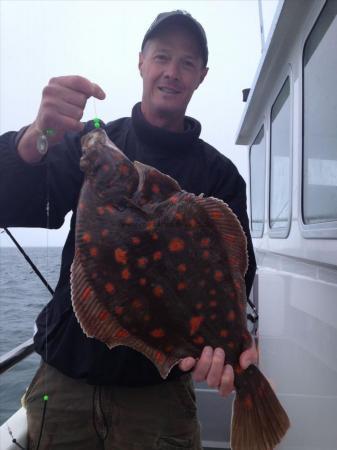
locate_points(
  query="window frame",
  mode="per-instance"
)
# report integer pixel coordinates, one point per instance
(255, 233)
(322, 230)
(282, 233)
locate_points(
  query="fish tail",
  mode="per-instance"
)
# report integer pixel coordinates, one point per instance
(259, 421)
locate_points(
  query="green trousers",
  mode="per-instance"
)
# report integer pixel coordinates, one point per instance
(85, 417)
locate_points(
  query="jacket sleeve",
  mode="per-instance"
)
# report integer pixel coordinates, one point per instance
(230, 187)
(26, 188)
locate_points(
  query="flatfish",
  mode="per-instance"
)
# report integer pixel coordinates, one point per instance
(162, 270)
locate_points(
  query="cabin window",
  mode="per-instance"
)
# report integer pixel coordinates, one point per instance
(257, 184)
(280, 151)
(319, 120)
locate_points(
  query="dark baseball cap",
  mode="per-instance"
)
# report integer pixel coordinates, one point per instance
(185, 18)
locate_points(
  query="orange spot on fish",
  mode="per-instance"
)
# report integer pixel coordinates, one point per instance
(124, 169)
(125, 274)
(195, 323)
(231, 315)
(181, 286)
(193, 223)
(205, 242)
(122, 333)
(142, 281)
(216, 215)
(213, 303)
(150, 225)
(224, 333)
(86, 293)
(135, 240)
(100, 210)
(86, 237)
(109, 288)
(176, 245)
(218, 275)
(157, 256)
(248, 402)
(121, 256)
(93, 252)
(174, 199)
(179, 216)
(182, 268)
(233, 261)
(110, 209)
(199, 340)
(154, 236)
(237, 285)
(142, 262)
(205, 254)
(159, 357)
(230, 238)
(103, 315)
(158, 291)
(81, 206)
(158, 333)
(104, 233)
(136, 303)
(119, 310)
(129, 220)
(105, 168)
(155, 188)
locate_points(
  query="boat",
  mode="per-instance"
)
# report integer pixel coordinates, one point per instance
(289, 128)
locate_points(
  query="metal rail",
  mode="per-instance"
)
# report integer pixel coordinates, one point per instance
(16, 355)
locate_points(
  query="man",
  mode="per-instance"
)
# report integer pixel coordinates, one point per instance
(101, 398)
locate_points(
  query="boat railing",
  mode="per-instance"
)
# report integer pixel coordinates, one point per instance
(17, 354)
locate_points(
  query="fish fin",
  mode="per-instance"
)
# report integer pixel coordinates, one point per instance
(97, 321)
(259, 421)
(94, 318)
(230, 229)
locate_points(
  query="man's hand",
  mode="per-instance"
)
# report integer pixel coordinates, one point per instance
(211, 367)
(61, 109)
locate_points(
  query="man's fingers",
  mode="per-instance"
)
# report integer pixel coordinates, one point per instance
(187, 364)
(248, 357)
(227, 381)
(216, 370)
(80, 84)
(203, 365)
(98, 92)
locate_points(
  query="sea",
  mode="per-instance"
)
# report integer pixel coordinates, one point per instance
(22, 296)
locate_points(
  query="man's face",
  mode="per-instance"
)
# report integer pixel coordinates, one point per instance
(171, 67)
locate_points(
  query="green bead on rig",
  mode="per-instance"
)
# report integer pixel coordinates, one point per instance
(97, 122)
(45, 397)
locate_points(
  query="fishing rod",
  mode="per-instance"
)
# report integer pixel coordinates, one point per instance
(30, 262)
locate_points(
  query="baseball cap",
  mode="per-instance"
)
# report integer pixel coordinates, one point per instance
(179, 16)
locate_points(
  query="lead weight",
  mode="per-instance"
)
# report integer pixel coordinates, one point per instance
(42, 144)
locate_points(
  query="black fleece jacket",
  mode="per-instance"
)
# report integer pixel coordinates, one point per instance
(198, 168)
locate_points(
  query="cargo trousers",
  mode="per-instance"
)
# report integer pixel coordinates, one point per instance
(86, 417)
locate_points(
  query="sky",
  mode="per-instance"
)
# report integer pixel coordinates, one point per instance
(100, 40)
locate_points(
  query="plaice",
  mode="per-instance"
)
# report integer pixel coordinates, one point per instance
(156, 268)
(162, 271)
